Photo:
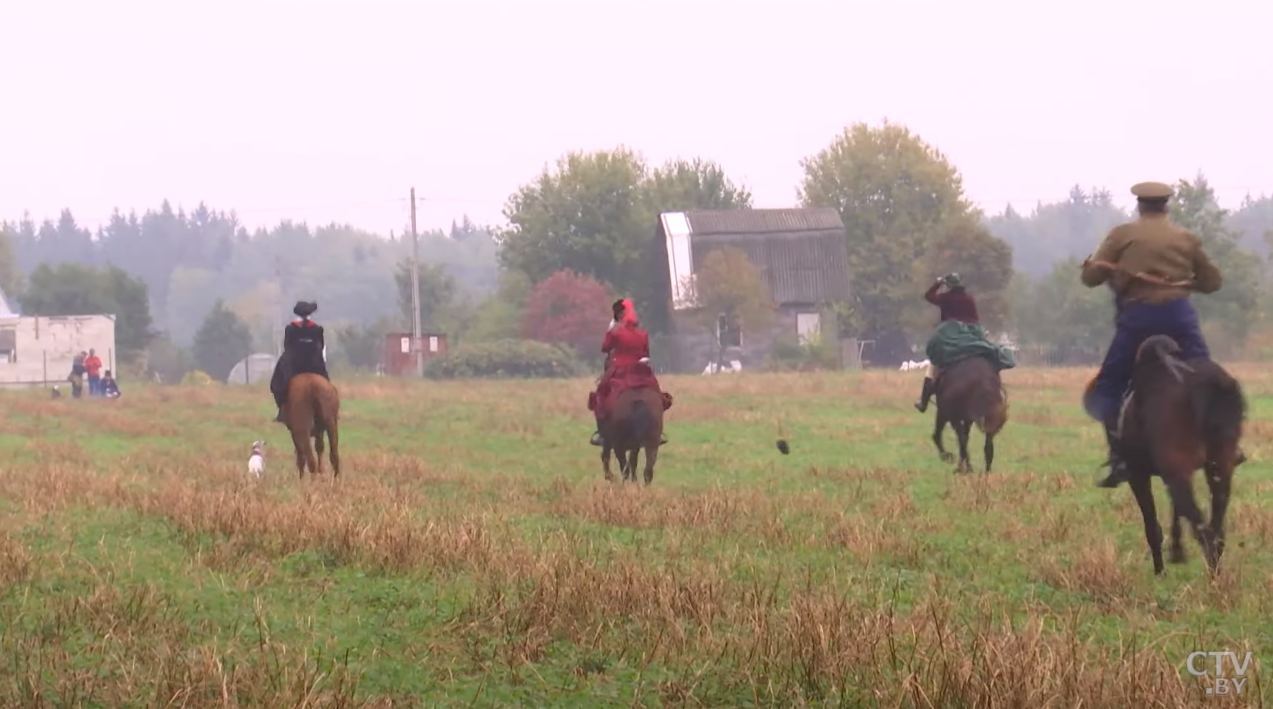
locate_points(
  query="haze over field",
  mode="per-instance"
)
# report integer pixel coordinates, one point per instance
(330, 111)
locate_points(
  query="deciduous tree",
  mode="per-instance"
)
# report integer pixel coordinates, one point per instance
(437, 293)
(1231, 311)
(894, 193)
(72, 289)
(588, 215)
(983, 261)
(221, 341)
(727, 284)
(568, 308)
(595, 214)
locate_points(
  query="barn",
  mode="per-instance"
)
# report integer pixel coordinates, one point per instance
(802, 255)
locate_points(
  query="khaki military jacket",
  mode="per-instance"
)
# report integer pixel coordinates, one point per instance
(1154, 246)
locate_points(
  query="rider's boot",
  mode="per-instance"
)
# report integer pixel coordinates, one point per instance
(927, 393)
(1118, 470)
(596, 438)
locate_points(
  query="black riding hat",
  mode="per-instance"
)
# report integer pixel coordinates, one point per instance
(305, 309)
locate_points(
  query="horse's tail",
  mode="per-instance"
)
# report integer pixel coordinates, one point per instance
(992, 408)
(642, 421)
(1220, 407)
(995, 413)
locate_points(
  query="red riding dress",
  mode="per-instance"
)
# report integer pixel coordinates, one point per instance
(626, 345)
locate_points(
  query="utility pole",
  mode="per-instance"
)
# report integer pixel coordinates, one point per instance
(277, 298)
(415, 293)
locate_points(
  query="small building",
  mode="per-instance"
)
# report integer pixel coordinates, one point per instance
(256, 368)
(39, 350)
(398, 359)
(802, 255)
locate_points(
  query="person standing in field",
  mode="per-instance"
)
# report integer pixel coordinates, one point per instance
(93, 367)
(76, 377)
(1152, 266)
(303, 349)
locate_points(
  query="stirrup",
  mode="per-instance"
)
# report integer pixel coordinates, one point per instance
(1119, 473)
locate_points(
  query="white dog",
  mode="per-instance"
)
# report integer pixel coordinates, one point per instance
(256, 462)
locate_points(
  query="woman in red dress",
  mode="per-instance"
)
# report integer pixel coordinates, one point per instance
(627, 344)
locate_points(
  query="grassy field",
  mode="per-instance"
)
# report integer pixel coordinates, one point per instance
(471, 555)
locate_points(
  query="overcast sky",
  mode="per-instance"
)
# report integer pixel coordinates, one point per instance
(324, 111)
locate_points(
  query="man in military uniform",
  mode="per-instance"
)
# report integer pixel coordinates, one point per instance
(1152, 266)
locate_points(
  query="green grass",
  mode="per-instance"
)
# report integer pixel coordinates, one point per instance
(471, 555)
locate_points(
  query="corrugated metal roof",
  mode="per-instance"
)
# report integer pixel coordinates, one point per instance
(762, 221)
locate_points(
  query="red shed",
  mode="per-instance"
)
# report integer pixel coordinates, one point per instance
(397, 357)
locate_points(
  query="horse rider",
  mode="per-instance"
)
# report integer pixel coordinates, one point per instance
(955, 304)
(626, 345)
(1152, 266)
(303, 351)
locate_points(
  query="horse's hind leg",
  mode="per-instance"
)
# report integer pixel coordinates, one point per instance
(304, 454)
(605, 462)
(318, 449)
(629, 472)
(1219, 481)
(989, 451)
(651, 455)
(1177, 553)
(963, 429)
(333, 449)
(1183, 500)
(938, 428)
(1143, 490)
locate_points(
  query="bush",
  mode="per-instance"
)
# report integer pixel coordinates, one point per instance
(506, 358)
(788, 354)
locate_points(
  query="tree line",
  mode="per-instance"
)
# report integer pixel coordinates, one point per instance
(197, 289)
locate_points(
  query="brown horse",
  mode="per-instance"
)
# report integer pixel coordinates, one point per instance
(635, 422)
(312, 408)
(970, 392)
(1182, 416)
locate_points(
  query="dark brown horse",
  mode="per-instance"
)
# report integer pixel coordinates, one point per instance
(635, 421)
(1183, 416)
(312, 409)
(970, 392)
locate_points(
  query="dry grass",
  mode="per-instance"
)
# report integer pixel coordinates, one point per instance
(471, 556)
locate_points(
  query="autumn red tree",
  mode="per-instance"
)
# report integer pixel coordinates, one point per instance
(568, 308)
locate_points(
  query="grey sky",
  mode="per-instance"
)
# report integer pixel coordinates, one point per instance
(325, 111)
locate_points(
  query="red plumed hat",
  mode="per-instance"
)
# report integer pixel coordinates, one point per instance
(629, 312)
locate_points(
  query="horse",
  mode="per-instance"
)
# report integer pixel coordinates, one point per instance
(312, 408)
(970, 392)
(1182, 416)
(635, 421)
